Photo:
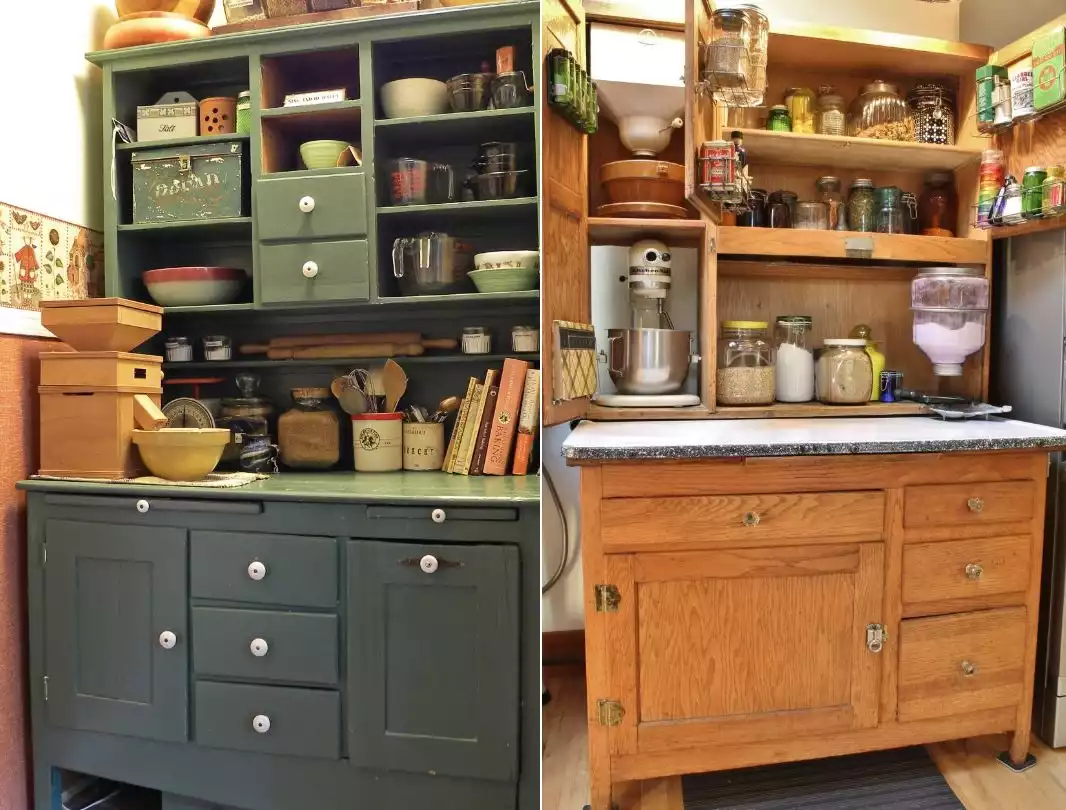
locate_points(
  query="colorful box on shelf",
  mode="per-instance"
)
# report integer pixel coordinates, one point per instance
(191, 183)
(174, 115)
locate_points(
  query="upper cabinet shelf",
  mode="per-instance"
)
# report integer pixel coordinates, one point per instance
(797, 149)
(803, 244)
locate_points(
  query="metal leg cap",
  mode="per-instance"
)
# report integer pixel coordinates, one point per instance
(1030, 762)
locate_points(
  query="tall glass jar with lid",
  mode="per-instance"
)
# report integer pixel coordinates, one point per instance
(801, 106)
(880, 113)
(862, 206)
(844, 372)
(745, 364)
(889, 210)
(829, 193)
(794, 368)
(830, 116)
(735, 58)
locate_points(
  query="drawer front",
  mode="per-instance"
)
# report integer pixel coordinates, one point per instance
(961, 664)
(269, 719)
(273, 569)
(996, 569)
(265, 645)
(322, 271)
(336, 203)
(637, 524)
(968, 504)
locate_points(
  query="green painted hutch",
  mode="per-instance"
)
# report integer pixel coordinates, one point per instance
(328, 640)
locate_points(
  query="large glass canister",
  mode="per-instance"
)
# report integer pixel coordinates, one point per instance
(950, 307)
(830, 115)
(938, 208)
(745, 364)
(933, 106)
(794, 368)
(844, 372)
(880, 113)
(309, 433)
(862, 206)
(735, 58)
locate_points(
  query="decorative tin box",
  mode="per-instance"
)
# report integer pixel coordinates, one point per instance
(175, 115)
(1049, 65)
(189, 183)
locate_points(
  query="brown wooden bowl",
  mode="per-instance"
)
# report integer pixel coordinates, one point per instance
(644, 181)
(197, 9)
(153, 27)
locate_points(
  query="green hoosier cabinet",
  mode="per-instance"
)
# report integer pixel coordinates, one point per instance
(315, 640)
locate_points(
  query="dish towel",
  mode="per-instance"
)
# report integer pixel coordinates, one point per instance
(230, 480)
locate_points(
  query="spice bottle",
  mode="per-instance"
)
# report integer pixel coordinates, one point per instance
(1033, 192)
(779, 120)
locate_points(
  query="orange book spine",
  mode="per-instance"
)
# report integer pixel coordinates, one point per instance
(505, 420)
(528, 421)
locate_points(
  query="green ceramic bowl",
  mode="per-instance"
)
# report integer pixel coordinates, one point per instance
(322, 154)
(515, 279)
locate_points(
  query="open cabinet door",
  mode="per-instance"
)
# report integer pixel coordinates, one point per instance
(699, 108)
(565, 281)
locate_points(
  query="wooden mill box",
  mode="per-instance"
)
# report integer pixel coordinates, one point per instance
(143, 372)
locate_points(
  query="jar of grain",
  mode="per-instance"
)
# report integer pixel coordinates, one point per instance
(745, 364)
(844, 373)
(309, 434)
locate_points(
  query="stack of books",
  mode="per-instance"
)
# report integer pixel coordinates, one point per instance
(497, 423)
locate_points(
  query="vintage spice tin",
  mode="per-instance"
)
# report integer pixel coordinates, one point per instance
(1049, 64)
(174, 115)
(191, 183)
(718, 167)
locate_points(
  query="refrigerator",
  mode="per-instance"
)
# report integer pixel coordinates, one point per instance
(1029, 373)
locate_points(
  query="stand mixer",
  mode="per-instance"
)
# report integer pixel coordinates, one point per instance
(649, 362)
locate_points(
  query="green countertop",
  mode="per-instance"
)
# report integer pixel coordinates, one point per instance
(334, 487)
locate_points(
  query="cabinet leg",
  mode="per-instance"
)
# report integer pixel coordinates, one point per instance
(599, 797)
(1018, 758)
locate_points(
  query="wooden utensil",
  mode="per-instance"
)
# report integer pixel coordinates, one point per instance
(395, 385)
(340, 347)
(447, 406)
(351, 399)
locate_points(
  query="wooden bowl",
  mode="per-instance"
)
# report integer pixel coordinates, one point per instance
(181, 454)
(644, 181)
(153, 27)
(197, 9)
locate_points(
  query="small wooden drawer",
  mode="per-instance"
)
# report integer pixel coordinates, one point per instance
(965, 575)
(139, 372)
(319, 271)
(325, 207)
(639, 524)
(265, 645)
(272, 569)
(961, 664)
(269, 719)
(968, 504)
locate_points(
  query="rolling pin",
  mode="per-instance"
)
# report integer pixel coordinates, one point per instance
(355, 351)
(336, 340)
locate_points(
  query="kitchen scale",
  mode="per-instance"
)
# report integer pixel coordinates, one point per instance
(190, 412)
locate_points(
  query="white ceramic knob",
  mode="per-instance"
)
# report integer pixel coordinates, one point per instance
(310, 269)
(142, 506)
(428, 564)
(307, 204)
(259, 647)
(257, 570)
(167, 640)
(261, 723)
(438, 516)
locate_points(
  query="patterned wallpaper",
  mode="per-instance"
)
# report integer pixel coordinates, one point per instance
(43, 259)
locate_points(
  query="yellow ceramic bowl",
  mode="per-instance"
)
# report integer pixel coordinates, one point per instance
(181, 454)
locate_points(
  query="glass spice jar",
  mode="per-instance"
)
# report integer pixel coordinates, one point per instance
(830, 115)
(745, 364)
(1033, 192)
(244, 113)
(779, 120)
(938, 207)
(1054, 202)
(309, 434)
(1010, 206)
(862, 206)
(829, 193)
(811, 215)
(801, 103)
(889, 210)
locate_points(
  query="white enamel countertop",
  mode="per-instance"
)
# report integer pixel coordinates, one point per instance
(716, 438)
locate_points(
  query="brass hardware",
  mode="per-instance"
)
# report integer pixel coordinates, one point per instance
(969, 669)
(607, 599)
(609, 712)
(974, 571)
(975, 504)
(751, 518)
(184, 163)
(876, 636)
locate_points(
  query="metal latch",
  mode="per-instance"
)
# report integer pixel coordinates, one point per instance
(859, 247)
(184, 163)
(876, 636)
(607, 599)
(609, 712)
(45, 688)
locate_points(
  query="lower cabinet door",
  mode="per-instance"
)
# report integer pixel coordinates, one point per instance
(116, 645)
(739, 646)
(433, 658)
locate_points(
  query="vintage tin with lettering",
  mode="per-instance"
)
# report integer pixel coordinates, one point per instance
(189, 183)
(174, 115)
(1049, 65)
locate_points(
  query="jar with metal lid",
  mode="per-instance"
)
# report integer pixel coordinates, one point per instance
(862, 206)
(309, 434)
(1009, 208)
(1054, 196)
(880, 113)
(844, 372)
(244, 112)
(525, 339)
(794, 374)
(829, 193)
(938, 207)
(933, 107)
(1033, 192)
(217, 347)
(745, 364)
(779, 120)
(475, 340)
(889, 210)
(811, 215)
(735, 58)
(801, 103)
(178, 349)
(830, 116)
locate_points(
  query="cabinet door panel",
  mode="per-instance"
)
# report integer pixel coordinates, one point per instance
(433, 659)
(743, 645)
(699, 108)
(110, 591)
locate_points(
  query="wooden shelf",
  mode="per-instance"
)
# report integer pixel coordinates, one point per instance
(779, 410)
(428, 359)
(801, 244)
(462, 299)
(471, 207)
(516, 123)
(1026, 228)
(174, 143)
(237, 226)
(624, 232)
(850, 153)
(288, 175)
(333, 111)
(749, 268)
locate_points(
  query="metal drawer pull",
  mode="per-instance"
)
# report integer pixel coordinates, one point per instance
(969, 669)
(261, 723)
(975, 504)
(167, 640)
(259, 647)
(257, 570)
(307, 204)
(310, 269)
(143, 506)
(429, 563)
(751, 518)
(974, 571)
(438, 516)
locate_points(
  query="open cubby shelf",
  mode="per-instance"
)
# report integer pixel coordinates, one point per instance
(467, 208)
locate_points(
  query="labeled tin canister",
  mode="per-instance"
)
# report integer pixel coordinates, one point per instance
(718, 168)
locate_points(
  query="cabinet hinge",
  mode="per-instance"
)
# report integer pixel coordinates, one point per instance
(713, 246)
(876, 636)
(45, 688)
(607, 599)
(609, 712)
(44, 554)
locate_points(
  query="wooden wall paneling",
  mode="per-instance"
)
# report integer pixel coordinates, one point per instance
(699, 109)
(620, 629)
(708, 315)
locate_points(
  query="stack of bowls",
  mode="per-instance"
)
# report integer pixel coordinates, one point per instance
(469, 92)
(499, 176)
(506, 271)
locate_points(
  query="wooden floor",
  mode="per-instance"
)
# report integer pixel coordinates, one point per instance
(969, 766)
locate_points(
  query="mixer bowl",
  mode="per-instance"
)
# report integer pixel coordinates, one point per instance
(649, 361)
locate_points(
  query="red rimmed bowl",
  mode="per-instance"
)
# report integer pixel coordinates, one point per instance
(194, 286)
